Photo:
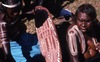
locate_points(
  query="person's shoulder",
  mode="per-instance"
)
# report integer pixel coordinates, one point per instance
(97, 31)
(97, 26)
(70, 27)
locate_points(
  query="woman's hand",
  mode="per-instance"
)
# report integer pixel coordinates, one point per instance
(98, 46)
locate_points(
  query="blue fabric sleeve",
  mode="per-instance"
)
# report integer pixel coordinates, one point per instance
(26, 48)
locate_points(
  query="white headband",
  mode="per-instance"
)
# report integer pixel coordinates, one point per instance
(11, 6)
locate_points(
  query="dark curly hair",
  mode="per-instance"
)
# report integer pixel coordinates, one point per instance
(88, 9)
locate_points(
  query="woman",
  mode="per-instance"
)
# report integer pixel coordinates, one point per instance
(83, 38)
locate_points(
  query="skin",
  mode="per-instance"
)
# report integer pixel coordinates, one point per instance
(91, 48)
(12, 14)
(84, 23)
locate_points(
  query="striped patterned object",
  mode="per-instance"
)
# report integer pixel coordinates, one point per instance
(49, 43)
(73, 34)
(3, 37)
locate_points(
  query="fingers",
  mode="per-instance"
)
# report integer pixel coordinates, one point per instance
(98, 46)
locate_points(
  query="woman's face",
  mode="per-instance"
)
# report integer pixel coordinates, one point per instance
(84, 22)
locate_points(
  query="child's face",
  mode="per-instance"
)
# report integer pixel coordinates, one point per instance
(84, 22)
(13, 13)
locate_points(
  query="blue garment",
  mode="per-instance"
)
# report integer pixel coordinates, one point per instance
(26, 49)
(65, 12)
